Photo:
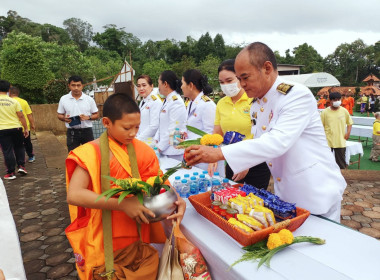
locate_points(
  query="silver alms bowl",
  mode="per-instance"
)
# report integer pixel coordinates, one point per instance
(161, 205)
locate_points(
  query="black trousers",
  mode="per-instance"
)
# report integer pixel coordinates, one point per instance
(12, 145)
(77, 137)
(257, 176)
(340, 157)
(28, 146)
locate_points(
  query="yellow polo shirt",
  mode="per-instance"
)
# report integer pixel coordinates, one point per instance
(25, 109)
(376, 127)
(8, 112)
(234, 117)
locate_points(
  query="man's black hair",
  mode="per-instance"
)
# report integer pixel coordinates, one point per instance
(75, 79)
(4, 86)
(118, 104)
(335, 95)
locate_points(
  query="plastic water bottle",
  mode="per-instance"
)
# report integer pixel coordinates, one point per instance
(217, 177)
(157, 152)
(208, 178)
(177, 184)
(203, 183)
(187, 176)
(185, 189)
(214, 187)
(196, 175)
(194, 188)
(176, 136)
(226, 183)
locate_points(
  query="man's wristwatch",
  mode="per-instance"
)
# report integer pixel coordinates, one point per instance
(89, 117)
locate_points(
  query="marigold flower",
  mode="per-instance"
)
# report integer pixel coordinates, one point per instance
(286, 236)
(211, 139)
(151, 180)
(274, 241)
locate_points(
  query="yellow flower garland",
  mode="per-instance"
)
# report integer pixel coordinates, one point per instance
(212, 139)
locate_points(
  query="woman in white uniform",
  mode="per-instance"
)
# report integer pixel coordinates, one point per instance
(172, 115)
(200, 109)
(150, 107)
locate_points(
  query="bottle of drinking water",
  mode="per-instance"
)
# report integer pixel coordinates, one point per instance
(214, 187)
(226, 183)
(203, 183)
(185, 189)
(194, 188)
(177, 184)
(176, 136)
(217, 177)
(208, 178)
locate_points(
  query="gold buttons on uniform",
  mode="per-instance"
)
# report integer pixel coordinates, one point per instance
(270, 164)
(262, 109)
(278, 179)
(264, 127)
(265, 100)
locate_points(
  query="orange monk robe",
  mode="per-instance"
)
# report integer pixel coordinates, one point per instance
(346, 104)
(124, 229)
(351, 101)
(321, 103)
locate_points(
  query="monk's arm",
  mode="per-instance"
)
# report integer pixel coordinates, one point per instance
(78, 194)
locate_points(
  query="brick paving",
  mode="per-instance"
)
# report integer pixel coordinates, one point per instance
(38, 204)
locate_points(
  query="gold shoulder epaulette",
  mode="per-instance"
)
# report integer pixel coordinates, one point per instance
(205, 98)
(175, 97)
(284, 88)
(154, 98)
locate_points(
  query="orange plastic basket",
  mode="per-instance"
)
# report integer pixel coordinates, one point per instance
(202, 203)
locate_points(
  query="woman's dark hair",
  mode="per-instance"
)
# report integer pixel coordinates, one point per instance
(147, 78)
(118, 104)
(4, 86)
(228, 65)
(171, 78)
(200, 81)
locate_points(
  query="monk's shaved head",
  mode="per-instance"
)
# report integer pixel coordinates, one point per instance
(118, 104)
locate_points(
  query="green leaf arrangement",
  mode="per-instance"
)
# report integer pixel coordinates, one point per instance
(260, 252)
(188, 143)
(138, 187)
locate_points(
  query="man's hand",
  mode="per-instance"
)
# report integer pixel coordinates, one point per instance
(135, 210)
(212, 167)
(26, 133)
(84, 117)
(346, 136)
(198, 154)
(240, 176)
(181, 208)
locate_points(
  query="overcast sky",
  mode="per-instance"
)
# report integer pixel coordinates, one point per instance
(324, 24)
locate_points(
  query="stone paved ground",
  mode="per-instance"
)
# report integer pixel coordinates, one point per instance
(38, 204)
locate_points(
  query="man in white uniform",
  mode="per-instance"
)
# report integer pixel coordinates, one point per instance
(77, 110)
(288, 135)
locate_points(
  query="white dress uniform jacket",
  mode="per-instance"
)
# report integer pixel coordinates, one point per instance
(150, 108)
(289, 136)
(201, 114)
(172, 115)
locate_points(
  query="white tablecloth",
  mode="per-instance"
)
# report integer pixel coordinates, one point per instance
(363, 120)
(353, 148)
(362, 131)
(10, 252)
(347, 254)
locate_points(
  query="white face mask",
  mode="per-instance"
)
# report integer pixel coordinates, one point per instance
(230, 90)
(336, 104)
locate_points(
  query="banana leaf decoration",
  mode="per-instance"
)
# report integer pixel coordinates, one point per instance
(188, 143)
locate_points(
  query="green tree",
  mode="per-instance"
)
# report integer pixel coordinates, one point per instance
(154, 69)
(23, 64)
(220, 48)
(79, 31)
(306, 55)
(184, 64)
(209, 67)
(14, 22)
(52, 33)
(204, 47)
(232, 51)
(187, 47)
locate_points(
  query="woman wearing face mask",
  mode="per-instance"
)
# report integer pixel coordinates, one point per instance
(172, 114)
(200, 109)
(150, 108)
(233, 114)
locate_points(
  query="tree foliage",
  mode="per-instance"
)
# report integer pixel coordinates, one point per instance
(79, 31)
(154, 69)
(306, 55)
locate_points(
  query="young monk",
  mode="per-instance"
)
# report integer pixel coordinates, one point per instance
(122, 120)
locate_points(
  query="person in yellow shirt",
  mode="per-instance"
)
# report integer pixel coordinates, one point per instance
(363, 103)
(336, 120)
(11, 133)
(233, 114)
(14, 92)
(375, 152)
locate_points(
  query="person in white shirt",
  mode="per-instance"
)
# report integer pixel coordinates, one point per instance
(201, 109)
(172, 115)
(289, 136)
(150, 107)
(77, 110)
